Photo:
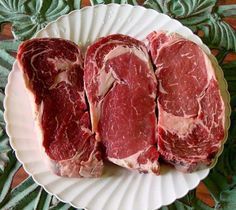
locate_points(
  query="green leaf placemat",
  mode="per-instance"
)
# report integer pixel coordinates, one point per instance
(203, 17)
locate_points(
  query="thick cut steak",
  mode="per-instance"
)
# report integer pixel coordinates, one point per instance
(191, 110)
(121, 90)
(53, 74)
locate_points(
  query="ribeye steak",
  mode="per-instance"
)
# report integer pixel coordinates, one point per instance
(191, 109)
(53, 74)
(121, 90)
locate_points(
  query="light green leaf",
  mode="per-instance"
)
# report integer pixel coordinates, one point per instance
(27, 17)
(32, 6)
(21, 196)
(43, 200)
(4, 55)
(183, 8)
(132, 2)
(158, 5)
(218, 34)
(74, 4)
(9, 45)
(226, 10)
(3, 81)
(55, 10)
(228, 199)
(6, 62)
(190, 13)
(26, 29)
(30, 205)
(11, 10)
(4, 153)
(193, 22)
(7, 177)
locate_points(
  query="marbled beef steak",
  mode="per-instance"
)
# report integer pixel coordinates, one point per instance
(191, 111)
(121, 88)
(53, 75)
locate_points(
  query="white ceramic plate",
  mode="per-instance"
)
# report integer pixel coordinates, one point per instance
(118, 189)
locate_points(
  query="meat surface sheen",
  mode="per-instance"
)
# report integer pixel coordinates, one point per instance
(121, 90)
(190, 106)
(53, 74)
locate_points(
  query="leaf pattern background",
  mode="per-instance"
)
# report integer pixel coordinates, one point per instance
(207, 17)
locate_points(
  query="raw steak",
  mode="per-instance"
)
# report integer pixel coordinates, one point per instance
(191, 110)
(53, 74)
(121, 90)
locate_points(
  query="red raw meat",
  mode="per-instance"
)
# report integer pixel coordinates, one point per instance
(53, 74)
(190, 106)
(121, 90)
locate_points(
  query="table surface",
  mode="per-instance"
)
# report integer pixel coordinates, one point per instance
(202, 191)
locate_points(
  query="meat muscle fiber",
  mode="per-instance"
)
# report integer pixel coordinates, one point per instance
(121, 90)
(191, 110)
(53, 74)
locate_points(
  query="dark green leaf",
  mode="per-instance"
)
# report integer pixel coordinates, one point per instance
(2, 123)
(199, 205)
(22, 195)
(216, 183)
(221, 56)
(188, 202)
(231, 87)
(233, 98)
(43, 200)
(230, 75)
(177, 205)
(132, 2)
(1, 100)
(61, 206)
(230, 71)
(7, 177)
(218, 34)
